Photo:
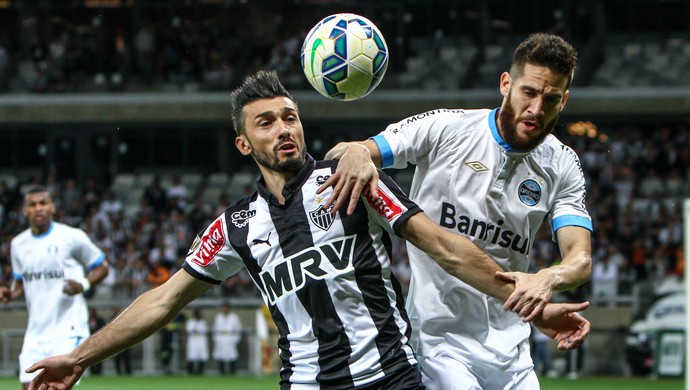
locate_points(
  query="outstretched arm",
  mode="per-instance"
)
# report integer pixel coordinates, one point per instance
(461, 258)
(356, 171)
(148, 313)
(456, 255)
(573, 270)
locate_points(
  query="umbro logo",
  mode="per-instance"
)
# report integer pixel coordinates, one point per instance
(477, 166)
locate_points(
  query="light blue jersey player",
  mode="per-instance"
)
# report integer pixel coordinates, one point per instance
(48, 265)
(493, 176)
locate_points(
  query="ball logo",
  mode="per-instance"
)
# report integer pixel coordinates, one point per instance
(384, 205)
(209, 245)
(529, 192)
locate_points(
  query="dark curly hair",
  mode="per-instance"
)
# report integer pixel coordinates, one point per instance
(262, 85)
(547, 50)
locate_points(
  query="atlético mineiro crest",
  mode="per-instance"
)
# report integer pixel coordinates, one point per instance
(322, 217)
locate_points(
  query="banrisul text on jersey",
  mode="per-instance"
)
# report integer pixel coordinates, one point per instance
(483, 230)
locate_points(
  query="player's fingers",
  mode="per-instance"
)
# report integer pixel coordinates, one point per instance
(37, 382)
(507, 276)
(331, 181)
(514, 301)
(343, 194)
(354, 197)
(34, 367)
(536, 310)
(575, 307)
(333, 199)
(373, 188)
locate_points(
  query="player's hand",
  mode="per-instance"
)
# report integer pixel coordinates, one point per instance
(355, 173)
(5, 295)
(72, 287)
(561, 322)
(532, 292)
(57, 373)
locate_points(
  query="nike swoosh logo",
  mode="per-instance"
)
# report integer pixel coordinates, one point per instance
(318, 42)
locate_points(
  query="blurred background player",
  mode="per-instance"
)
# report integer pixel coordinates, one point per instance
(227, 333)
(196, 329)
(48, 262)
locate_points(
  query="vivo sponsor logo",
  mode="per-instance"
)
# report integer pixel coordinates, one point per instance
(209, 244)
(384, 205)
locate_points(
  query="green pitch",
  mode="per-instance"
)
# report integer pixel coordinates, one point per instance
(271, 383)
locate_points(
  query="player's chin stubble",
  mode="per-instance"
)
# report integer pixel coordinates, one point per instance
(508, 125)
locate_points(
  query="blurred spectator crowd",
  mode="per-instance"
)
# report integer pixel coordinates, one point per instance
(109, 53)
(59, 48)
(636, 177)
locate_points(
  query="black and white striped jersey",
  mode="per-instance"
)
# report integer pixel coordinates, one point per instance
(326, 277)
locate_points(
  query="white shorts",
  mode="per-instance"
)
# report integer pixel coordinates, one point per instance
(446, 372)
(34, 351)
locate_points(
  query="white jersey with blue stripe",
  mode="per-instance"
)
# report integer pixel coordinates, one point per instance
(42, 263)
(471, 182)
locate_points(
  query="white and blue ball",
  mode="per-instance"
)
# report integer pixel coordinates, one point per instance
(344, 56)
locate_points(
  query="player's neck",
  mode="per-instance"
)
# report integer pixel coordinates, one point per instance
(37, 230)
(275, 181)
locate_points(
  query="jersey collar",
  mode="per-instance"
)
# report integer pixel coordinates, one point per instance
(47, 232)
(292, 186)
(497, 136)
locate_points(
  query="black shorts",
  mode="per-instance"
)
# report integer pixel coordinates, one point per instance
(407, 379)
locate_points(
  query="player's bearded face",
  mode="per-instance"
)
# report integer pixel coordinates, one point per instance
(509, 123)
(274, 135)
(272, 160)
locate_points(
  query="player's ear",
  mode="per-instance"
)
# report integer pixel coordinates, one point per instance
(565, 99)
(505, 83)
(242, 144)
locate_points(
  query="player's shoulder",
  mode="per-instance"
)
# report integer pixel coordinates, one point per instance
(242, 204)
(21, 237)
(555, 145)
(554, 152)
(461, 115)
(64, 229)
(452, 123)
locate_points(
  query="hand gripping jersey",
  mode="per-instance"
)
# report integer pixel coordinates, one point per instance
(325, 277)
(471, 182)
(43, 263)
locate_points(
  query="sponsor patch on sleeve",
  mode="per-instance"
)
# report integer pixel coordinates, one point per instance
(205, 248)
(384, 205)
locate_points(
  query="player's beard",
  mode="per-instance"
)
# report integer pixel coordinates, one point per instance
(291, 165)
(508, 124)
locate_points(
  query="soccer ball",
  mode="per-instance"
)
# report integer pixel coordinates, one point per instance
(344, 56)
